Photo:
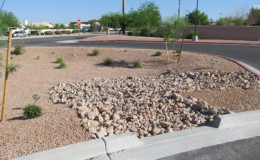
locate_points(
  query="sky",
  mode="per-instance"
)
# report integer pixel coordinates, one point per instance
(66, 11)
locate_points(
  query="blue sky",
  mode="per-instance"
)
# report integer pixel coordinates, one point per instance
(65, 11)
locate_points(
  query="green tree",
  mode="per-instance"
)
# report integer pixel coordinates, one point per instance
(224, 21)
(174, 27)
(93, 26)
(202, 18)
(62, 26)
(254, 17)
(7, 19)
(111, 20)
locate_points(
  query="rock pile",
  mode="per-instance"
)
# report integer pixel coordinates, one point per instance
(146, 105)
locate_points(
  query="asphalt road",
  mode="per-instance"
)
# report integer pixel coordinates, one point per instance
(247, 54)
(247, 149)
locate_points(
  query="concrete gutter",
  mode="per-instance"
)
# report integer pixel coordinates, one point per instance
(225, 128)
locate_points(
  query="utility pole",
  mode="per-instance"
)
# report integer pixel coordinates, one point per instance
(2, 5)
(195, 37)
(123, 25)
(179, 10)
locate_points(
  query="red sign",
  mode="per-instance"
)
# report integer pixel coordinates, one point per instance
(79, 22)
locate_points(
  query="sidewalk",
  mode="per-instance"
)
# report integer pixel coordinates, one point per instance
(224, 129)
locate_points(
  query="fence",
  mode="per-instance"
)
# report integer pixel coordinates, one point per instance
(228, 32)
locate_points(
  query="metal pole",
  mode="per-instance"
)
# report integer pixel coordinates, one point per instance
(179, 10)
(196, 17)
(6, 74)
(2, 5)
(123, 9)
(79, 32)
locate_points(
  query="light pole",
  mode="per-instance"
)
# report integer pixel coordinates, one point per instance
(195, 37)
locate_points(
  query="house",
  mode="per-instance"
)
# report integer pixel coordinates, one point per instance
(48, 24)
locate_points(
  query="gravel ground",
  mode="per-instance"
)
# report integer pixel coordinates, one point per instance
(60, 125)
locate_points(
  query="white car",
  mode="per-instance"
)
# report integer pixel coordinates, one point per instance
(19, 34)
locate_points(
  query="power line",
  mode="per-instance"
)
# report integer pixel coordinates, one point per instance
(2, 5)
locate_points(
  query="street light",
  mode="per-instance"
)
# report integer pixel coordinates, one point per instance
(195, 37)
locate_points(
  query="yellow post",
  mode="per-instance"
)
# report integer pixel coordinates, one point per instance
(166, 46)
(6, 74)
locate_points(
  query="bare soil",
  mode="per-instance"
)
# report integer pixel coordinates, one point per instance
(60, 126)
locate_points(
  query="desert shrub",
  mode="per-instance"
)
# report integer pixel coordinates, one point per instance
(32, 111)
(108, 61)
(59, 60)
(144, 32)
(63, 64)
(18, 50)
(158, 53)
(75, 31)
(34, 33)
(130, 33)
(192, 33)
(170, 70)
(95, 52)
(48, 33)
(42, 34)
(138, 64)
(58, 32)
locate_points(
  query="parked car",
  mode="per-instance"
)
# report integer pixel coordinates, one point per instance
(19, 34)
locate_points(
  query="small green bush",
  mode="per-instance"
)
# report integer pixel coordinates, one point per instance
(42, 34)
(138, 64)
(192, 33)
(58, 32)
(96, 52)
(158, 53)
(34, 33)
(144, 32)
(59, 60)
(19, 50)
(108, 61)
(63, 65)
(48, 33)
(32, 111)
(130, 33)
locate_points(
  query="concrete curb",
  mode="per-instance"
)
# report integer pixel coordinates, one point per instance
(236, 119)
(128, 146)
(78, 151)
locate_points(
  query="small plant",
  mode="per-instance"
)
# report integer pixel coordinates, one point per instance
(125, 50)
(212, 61)
(36, 96)
(170, 70)
(108, 61)
(38, 57)
(19, 50)
(59, 60)
(158, 53)
(96, 52)
(192, 33)
(13, 68)
(63, 64)
(32, 111)
(138, 64)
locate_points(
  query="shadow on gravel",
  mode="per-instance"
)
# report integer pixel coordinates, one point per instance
(120, 64)
(201, 68)
(16, 118)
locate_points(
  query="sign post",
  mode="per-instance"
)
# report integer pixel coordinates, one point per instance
(79, 23)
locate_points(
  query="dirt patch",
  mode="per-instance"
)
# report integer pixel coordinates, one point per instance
(60, 125)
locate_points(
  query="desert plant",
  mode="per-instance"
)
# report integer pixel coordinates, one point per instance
(59, 60)
(63, 64)
(130, 33)
(95, 52)
(158, 53)
(18, 50)
(138, 64)
(192, 33)
(212, 61)
(36, 96)
(32, 111)
(48, 33)
(108, 61)
(13, 68)
(170, 70)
